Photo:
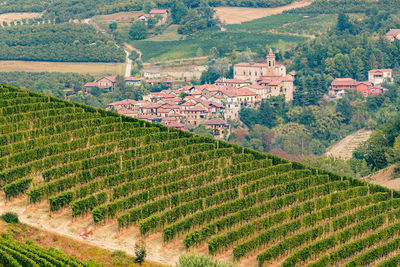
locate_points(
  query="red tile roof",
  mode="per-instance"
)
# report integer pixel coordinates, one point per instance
(91, 84)
(380, 70)
(216, 121)
(343, 81)
(393, 32)
(232, 81)
(158, 11)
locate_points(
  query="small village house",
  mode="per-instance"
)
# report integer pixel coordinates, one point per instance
(379, 76)
(133, 81)
(218, 126)
(163, 13)
(392, 35)
(107, 82)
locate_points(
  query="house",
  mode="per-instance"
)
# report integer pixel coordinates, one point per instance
(107, 82)
(163, 13)
(133, 81)
(126, 103)
(269, 74)
(218, 126)
(176, 125)
(151, 74)
(392, 35)
(343, 84)
(367, 89)
(144, 17)
(379, 76)
(195, 115)
(232, 82)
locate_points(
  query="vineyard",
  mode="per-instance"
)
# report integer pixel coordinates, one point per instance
(19, 254)
(195, 190)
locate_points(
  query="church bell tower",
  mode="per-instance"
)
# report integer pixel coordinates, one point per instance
(271, 60)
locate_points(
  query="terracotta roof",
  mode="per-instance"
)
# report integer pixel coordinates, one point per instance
(393, 32)
(293, 73)
(196, 108)
(343, 81)
(163, 110)
(246, 64)
(110, 78)
(158, 11)
(152, 106)
(90, 84)
(132, 79)
(175, 125)
(216, 121)
(187, 104)
(366, 83)
(380, 70)
(233, 81)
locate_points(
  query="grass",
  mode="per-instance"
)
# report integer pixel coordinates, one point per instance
(312, 26)
(266, 23)
(167, 50)
(82, 68)
(170, 34)
(14, 16)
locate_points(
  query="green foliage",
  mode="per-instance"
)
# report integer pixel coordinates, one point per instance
(197, 260)
(10, 217)
(68, 42)
(140, 252)
(16, 188)
(138, 31)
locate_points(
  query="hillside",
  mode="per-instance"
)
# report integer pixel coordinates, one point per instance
(184, 190)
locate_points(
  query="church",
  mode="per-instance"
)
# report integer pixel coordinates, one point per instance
(268, 79)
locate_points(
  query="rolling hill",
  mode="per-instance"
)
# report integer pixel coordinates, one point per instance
(194, 190)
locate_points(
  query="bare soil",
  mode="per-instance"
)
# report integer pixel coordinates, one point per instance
(236, 15)
(8, 17)
(83, 230)
(345, 147)
(384, 178)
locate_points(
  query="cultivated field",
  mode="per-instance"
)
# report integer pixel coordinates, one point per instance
(95, 69)
(236, 15)
(8, 17)
(345, 147)
(113, 180)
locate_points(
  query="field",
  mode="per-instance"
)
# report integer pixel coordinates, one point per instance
(118, 178)
(96, 69)
(167, 50)
(236, 15)
(8, 17)
(311, 26)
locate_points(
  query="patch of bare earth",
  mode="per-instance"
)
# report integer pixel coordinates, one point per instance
(345, 147)
(236, 15)
(82, 229)
(384, 178)
(8, 17)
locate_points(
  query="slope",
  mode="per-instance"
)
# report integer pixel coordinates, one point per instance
(193, 190)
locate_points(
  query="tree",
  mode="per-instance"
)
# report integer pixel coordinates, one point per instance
(201, 130)
(113, 26)
(140, 252)
(178, 12)
(343, 22)
(138, 31)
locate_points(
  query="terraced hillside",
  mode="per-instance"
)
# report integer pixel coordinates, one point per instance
(19, 254)
(195, 190)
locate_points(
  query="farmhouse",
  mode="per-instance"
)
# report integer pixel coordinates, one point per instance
(392, 35)
(379, 76)
(343, 84)
(107, 82)
(367, 89)
(218, 126)
(163, 13)
(133, 81)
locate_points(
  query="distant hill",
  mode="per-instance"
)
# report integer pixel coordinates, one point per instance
(194, 190)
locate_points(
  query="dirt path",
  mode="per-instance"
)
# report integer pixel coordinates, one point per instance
(384, 178)
(345, 147)
(82, 229)
(236, 15)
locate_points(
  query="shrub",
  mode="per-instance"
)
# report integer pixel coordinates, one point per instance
(140, 252)
(10, 217)
(197, 260)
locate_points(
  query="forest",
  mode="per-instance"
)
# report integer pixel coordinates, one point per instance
(66, 42)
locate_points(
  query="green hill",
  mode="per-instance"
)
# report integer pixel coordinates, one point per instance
(191, 188)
